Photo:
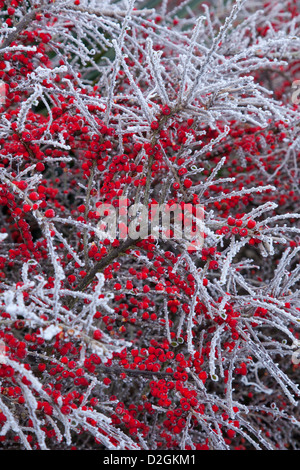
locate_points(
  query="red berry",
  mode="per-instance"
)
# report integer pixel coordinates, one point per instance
(243, 232)
(26, 207)
(213, 264)
(166, 110)
(187, 183)
(40, 166)
(34, 196)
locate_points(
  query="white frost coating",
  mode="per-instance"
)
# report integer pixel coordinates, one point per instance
(2, 236)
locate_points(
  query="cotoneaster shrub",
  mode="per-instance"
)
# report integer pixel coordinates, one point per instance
(145, 343)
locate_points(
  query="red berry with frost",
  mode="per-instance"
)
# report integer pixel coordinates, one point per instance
(49, 213)
(251, 224)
